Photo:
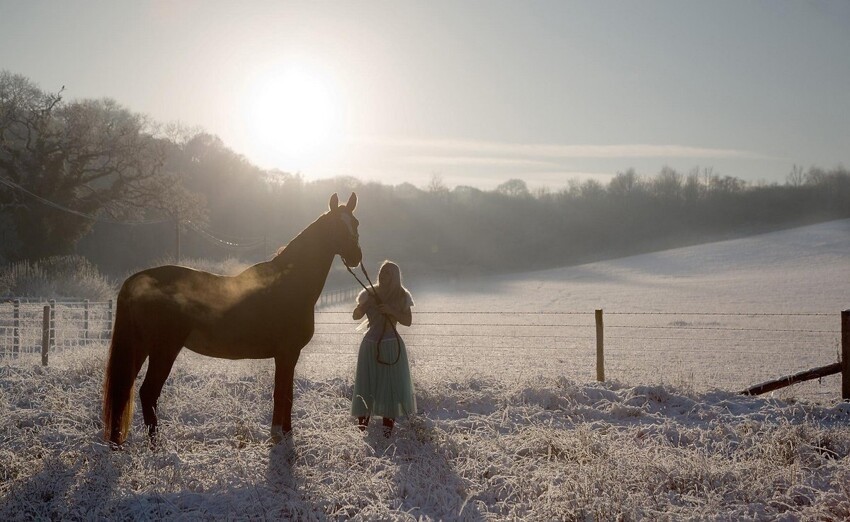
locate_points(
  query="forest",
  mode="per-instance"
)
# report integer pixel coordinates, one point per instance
(94, 179)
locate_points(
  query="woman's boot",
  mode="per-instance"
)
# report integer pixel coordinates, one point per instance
(362, 423)
(388, 427)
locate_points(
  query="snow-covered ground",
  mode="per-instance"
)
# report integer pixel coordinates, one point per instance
(510, 422)
(723, 315)
(797, 270)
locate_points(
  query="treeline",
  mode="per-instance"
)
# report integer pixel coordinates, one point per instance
(93, 178)
(435, 230)
(511, 229)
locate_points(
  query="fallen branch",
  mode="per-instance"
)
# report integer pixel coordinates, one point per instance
(814, 373)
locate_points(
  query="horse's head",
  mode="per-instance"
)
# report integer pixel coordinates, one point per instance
(344, 235)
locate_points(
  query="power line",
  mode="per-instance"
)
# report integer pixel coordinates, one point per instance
(248, 244)
(11, 184)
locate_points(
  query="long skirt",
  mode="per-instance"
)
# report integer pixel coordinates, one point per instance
(382, 385)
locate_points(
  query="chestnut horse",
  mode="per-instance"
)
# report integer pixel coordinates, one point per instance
(264, 312)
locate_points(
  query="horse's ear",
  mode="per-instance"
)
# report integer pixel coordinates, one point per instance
(352, 202)
(333, 203)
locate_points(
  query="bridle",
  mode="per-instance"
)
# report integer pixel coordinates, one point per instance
(374, 294)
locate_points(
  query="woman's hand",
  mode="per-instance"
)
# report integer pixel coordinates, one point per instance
(359, 312)
(402, 317)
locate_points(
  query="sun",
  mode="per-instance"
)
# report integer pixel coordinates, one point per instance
(292, 117)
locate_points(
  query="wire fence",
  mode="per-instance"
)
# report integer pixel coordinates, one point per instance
(24, 326)
(730, 351)
(344, 295)
(67, 324)
(699, 350)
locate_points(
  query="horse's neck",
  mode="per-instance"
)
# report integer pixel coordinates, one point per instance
(306, 259)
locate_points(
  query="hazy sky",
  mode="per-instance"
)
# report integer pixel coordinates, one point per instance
(478, 92)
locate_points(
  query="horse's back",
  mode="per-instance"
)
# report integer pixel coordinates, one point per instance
(219, 316)
(166, 295)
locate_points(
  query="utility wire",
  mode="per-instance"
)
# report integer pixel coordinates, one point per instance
(247, 244)
(11, 184)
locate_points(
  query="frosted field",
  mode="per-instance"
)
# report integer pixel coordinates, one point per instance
(783, 275)
(510, 424)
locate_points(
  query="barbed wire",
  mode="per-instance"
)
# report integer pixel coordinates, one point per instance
(474, 324)
(727, 314)
(473, 312)
(726, 340)
(495, 340)
(608, 349)
(712, 339)
(743, 314)
(720, 328)
(28, 300)
(613, 366)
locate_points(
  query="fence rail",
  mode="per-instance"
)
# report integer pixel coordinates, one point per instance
(71, 323)
(25, 327)
(729, 350)
(345, 295)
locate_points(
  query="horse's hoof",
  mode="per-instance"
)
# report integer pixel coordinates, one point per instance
(153, 443)
(278, 435)
(153, 437)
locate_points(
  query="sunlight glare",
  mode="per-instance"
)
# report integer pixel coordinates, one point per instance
(293, 118)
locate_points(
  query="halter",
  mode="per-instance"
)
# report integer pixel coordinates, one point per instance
(374, 294)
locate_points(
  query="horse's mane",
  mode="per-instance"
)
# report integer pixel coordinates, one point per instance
(297, 239)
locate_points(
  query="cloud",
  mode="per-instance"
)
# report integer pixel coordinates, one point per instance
(550, 179)
(484, 161)
(493, 150)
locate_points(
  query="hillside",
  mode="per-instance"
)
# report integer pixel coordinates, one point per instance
(805, 269)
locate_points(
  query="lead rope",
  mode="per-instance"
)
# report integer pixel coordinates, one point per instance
(374, 294)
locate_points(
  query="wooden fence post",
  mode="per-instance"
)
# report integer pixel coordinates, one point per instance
(86, 322)
(16, 330)
(109, 315)
(45, 335)
(600, 350)
(845, 355)
(52, 304)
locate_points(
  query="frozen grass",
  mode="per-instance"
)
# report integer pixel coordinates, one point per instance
(479, 448)
(57, 277)
(501, 433)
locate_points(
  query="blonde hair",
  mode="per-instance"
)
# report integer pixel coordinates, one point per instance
(392, 292)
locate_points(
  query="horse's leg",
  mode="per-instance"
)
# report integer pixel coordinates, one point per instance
(284, 374)
(159, 366)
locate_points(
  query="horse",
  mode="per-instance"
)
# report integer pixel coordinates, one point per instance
(266, 311)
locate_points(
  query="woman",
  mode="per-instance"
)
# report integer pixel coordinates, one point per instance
(382, 385)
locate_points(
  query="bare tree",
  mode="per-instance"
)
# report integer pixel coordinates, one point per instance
(624, 184)
(797, 177)
(692, 189)
(514, 188)
(65, 165)
(668, 184)
(436, 185)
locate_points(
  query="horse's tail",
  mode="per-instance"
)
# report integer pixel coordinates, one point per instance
(121, 370)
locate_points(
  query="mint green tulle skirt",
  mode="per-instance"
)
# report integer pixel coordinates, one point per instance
(383, 390)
